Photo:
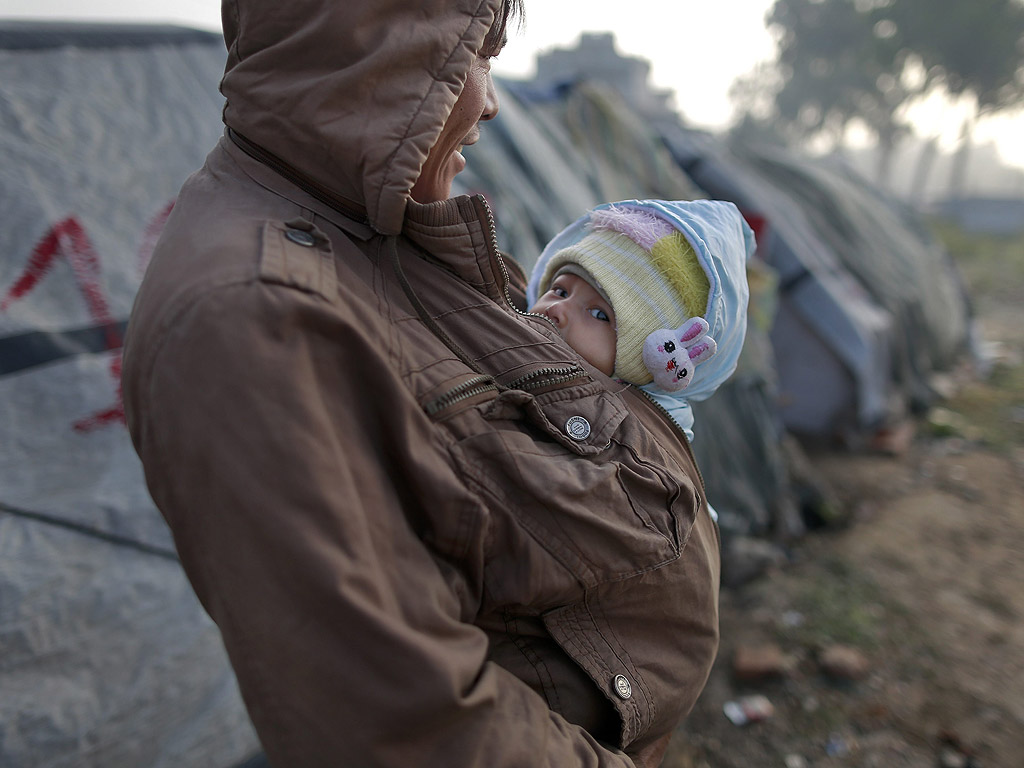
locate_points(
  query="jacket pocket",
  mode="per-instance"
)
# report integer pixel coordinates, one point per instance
(587, 536)
(570, 511)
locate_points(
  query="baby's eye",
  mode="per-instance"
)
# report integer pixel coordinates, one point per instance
(559, 291)
(599, 314)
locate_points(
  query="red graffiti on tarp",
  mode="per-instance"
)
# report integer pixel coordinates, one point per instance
(150, 235)
(68, 240)
(112, 415)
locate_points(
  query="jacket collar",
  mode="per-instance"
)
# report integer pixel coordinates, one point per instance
(459, 234)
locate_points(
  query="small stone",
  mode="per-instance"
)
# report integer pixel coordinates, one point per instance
(876, 711)
(844, 663)
(793, 619)
(837, 746)
(894, 440)
(951, 758)
(748, 709)
(751, 663)
(795, 761)
(745, 558)
(953, 753)
(945, 423)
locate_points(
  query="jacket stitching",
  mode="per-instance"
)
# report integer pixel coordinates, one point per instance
(529, 345)
(396, 341)
(652, 706)
(236, 47)
(569, 552)
(579, 569)
(649, 524)
(600, 672)
(630, 729)
(544, 676)
(547, 536)
(177, 308)
(478, 246)
(386, 183)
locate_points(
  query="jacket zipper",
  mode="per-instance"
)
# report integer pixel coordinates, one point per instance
(545, 377)
(478, 385)
(531, 380)
(682, 436)
(484, 210)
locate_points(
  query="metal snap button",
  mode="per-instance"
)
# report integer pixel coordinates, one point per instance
(622, 687)
(577, 428)
(299, 237)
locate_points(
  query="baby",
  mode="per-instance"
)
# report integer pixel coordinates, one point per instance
(648, 290)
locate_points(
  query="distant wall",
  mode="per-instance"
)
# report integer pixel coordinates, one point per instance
(985, 215)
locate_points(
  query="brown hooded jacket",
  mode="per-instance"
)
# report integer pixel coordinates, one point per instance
(430, 534)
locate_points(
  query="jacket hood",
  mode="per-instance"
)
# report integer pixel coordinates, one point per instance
(351, 95)
(723, 243)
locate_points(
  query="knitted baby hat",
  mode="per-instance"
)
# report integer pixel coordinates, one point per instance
(648, 272)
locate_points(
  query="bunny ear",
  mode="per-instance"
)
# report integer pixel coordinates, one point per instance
(671, 356)
(692, 329)
(703, 349)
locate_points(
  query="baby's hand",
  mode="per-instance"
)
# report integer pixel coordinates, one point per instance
(671, 356)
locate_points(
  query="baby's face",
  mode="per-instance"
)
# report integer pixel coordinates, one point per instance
(584, 319)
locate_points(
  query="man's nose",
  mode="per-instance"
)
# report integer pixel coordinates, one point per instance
(491, 104)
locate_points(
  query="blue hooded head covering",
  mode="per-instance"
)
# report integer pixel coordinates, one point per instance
(723, 242)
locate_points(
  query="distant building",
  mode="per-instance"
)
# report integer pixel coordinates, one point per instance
(595, 58)
(985, 215)
(925, 182)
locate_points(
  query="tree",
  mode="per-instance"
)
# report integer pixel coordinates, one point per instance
(974, 49)
(843, 62)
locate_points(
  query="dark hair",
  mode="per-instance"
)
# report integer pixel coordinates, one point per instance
(510, 10)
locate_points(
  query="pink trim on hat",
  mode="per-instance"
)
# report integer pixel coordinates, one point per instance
(642, 227)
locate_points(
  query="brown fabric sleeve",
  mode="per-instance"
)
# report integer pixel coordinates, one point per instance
(293, 468)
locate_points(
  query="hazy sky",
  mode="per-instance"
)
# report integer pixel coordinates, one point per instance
(695, 48)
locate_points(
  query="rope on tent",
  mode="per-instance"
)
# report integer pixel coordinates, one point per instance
(85, 530)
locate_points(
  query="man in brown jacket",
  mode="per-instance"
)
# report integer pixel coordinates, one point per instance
(429, 532)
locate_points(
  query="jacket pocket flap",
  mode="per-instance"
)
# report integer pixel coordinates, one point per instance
(298, 255)
(574, 629)
(582, 419)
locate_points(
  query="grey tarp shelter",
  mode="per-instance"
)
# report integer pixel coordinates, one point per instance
(882, 244)
(106, 658)
(830, 337)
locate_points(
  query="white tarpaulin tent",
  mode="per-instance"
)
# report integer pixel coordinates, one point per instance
(106, 658)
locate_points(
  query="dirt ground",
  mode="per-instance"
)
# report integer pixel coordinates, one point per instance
(924, 580)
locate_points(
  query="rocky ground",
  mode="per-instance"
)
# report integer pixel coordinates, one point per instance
(897, 638)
